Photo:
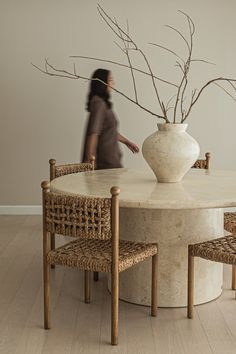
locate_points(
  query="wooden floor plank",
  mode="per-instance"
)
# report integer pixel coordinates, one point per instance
(219, 336)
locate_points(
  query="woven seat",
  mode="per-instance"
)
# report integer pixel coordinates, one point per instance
(203, 163)
(221, 250)
(96, 254)
(94, 223)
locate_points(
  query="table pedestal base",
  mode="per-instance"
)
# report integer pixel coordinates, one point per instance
(173, 230)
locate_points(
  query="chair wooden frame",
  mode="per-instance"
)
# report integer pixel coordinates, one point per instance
(79, 227)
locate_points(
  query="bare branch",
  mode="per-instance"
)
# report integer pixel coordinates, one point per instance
(203, 88)
(123, 65)
(182, 95)
(180, 66)
(232, 85)
(184, 81)
(227, 92)
(168, 50)
(126, 51)
(167, 109)
(117, 44)
(108, 18)
(176, 30)
(67, 74)
(192, 30)
(61, 71)
(74, 69)
(203, 61)
(184, 111)
(167, 105)
(127, 29)
(105, 16)
(51, 74)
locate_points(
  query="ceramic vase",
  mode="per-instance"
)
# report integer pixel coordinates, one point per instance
(170, 152)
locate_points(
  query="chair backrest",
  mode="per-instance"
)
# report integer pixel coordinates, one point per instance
(75, 216)
(61, 170)
(205, 164)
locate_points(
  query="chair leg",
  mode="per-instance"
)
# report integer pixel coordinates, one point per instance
(233, 277)
(52, 247)
(87, 286)
(154, 285)
(190, 284)
(95, 276)
(47, 299)
(114, 308)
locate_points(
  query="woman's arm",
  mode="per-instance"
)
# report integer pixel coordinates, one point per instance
(91, 148)
(130, 145)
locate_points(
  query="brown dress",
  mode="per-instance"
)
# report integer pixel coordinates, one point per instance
(102, 121)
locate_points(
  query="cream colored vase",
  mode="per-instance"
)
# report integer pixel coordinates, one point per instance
(170, 152)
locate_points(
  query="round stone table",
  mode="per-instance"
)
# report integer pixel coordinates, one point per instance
(172, 214)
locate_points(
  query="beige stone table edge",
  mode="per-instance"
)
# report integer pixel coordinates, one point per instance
(172, 214)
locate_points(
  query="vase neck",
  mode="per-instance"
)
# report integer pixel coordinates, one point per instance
(172, 127)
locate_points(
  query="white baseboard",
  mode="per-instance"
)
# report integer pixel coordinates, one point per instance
(20, 210)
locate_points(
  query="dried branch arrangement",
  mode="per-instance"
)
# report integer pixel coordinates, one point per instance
(179, 110)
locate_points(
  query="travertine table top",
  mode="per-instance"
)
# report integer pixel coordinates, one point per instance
(139, 188)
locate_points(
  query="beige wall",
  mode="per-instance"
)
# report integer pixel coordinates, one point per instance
(43, 117)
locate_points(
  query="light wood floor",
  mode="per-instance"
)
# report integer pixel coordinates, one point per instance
(81, 328)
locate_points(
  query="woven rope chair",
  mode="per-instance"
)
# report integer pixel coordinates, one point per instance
(66, 169)
(229, 218)
(221, 250)
(94, 223)
(230, 226)
(203, 163)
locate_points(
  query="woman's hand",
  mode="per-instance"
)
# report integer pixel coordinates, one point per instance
(132, 146)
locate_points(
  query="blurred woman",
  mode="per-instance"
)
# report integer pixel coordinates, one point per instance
(102, 137)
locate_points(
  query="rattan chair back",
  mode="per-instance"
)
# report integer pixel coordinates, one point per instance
(62, 170)
(203, 163)
(76, 216)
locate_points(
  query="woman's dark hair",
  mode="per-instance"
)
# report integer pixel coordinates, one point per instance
(97, 88)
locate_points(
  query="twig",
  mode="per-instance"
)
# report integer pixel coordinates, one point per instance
(203, 88)
(107, 18)
(168, 50)
(126, 52)
(203, 61)
(184, 80)
(64, 73)
(176, 30)
(227, 92)
(123, 65)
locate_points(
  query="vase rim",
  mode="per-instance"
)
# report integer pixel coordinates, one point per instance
(180, 127)
(169, 123)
